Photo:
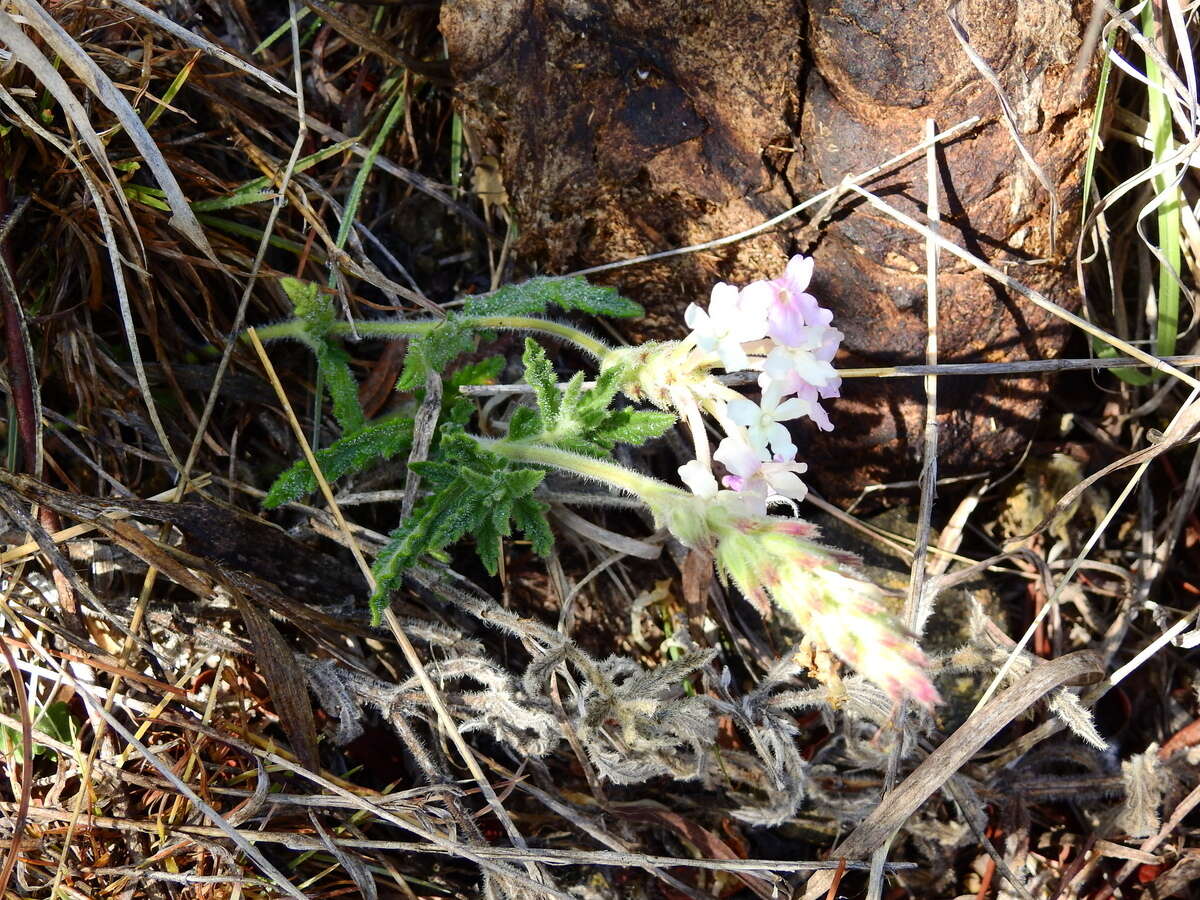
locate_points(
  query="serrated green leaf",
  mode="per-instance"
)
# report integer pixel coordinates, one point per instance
(315, 309)
(521, 482)
(525, 299)
(533, 297)
(636, 426)
(348, 454)
(470, 492)
(524, 424)
(334, 365)
(435, 349)
(539, 374)
(487, 546)
(312, 305)
(595, 299)
(573, 391)
(529, 515)
(608, 383)
(576, 419)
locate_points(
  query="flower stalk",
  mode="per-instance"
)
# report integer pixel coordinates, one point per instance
(392, 329)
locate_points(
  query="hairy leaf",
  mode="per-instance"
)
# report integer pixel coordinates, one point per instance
(577, 419)
(485, 371)
(334, 365)
(312, 306)
(539, 374)
(533, 297)
(435, 349)
(470, 492)
(636, 426)
(315, 309)
(349, 454)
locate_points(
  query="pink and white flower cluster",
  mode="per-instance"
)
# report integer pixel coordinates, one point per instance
(779, 329)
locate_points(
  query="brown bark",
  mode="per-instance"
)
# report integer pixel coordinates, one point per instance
(629, 127)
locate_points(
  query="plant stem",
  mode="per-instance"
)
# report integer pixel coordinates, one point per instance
(650, 490)
(405, 328)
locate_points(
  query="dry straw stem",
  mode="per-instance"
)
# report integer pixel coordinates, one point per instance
(1016, 367)
(406, 646)
(546, 855)
(99, 84)
(914, 615)
(90, 695)
(283, 180)
(194, 40)
(116, 260)
(895, 808)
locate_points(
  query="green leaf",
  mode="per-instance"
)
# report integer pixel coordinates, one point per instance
(469, 492)
(55, 720)
(636, 426)
(315, 309)
(524, 424)
(435, 349)
(529, 515)
(595, 299)
(312, 306)
(334, 365)
(485, 371)
(349, 454)
(533, 297)
(576, 419)
(539, 374)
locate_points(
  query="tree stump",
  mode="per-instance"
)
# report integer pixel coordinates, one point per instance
(629, 127)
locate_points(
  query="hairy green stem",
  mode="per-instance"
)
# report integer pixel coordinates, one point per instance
(650, 490)
(293, 329)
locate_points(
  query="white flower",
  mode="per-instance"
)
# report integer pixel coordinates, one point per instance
(733, 318)
(790, 367)
(805, 394)
(763, 421)
(699, 479)
(748, 473)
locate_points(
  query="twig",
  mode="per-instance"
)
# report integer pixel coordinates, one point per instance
(943, 762)
(1015, 368)
(1029, 293)
(547, 855)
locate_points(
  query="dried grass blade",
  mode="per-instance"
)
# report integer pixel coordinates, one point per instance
(182, 218)
(194, 40)
(26, 52)
(116, 260)
(355, 867)
(94, 702)
(285, 682)
(1029, 293)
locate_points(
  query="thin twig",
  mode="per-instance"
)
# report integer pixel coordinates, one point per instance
(1029, 293)
(1015, 368)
